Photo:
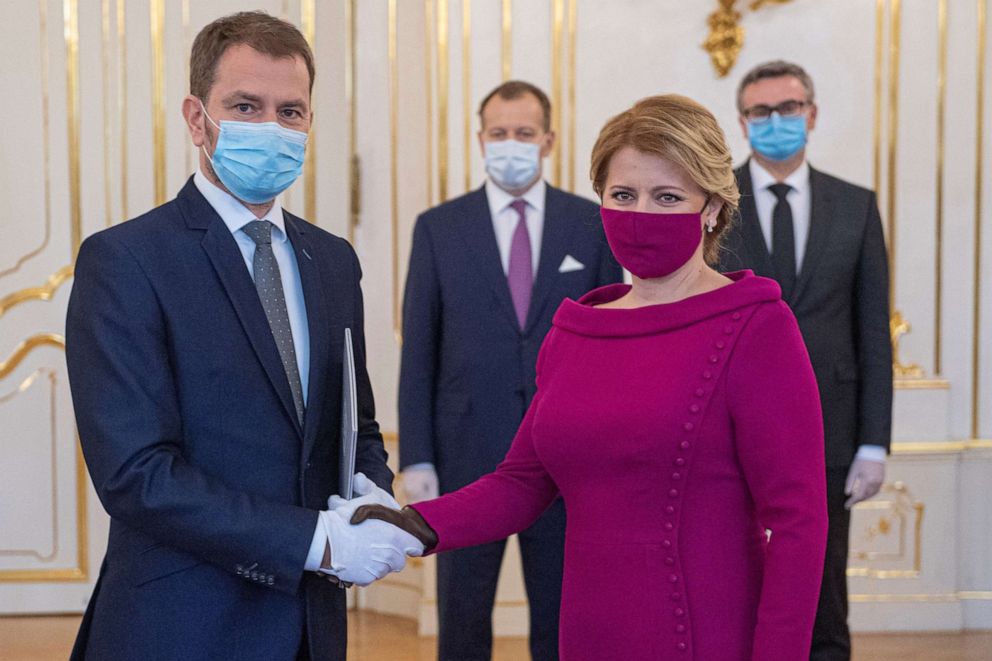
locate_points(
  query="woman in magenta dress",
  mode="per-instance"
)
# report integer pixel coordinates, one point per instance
(677, 417)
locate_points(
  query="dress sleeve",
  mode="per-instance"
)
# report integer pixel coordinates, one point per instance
(499, 504)
(778, 428)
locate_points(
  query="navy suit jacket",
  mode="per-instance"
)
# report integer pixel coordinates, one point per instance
(841, 301)
(467, 370)
(189, 432)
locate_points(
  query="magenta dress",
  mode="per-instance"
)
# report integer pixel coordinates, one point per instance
(677, 435)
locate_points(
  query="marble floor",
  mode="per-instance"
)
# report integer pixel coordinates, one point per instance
(374, 637)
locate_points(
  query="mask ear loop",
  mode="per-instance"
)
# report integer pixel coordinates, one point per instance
(210, 119)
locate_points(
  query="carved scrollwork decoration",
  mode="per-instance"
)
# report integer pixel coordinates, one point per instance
(726, 37)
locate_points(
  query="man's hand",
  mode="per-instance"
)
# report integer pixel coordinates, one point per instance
(420, 483)
(364, 553)
(863, 480)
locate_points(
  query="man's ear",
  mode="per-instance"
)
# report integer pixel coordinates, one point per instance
(195, 120)
(547, 144)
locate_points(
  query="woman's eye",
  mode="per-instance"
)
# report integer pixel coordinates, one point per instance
(622, 196)
(668, 198)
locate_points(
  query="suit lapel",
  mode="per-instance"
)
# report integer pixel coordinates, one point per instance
(476, 229)
(318, 324)
(758, 256)
(223, 252)
(821, 205)
(553, 246)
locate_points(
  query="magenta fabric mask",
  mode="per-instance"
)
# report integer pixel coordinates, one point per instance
(652, 245)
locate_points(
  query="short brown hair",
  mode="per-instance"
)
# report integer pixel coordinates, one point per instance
(682, 132)
(775, 69)
(266, 34)
(514, 89)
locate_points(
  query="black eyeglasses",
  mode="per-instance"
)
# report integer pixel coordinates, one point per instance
(761, 112)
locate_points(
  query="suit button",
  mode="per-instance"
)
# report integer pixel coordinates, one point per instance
(309, 464)
(254, 576)
(239, 570)
(270, 580)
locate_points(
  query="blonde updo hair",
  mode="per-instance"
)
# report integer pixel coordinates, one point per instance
(683, 132)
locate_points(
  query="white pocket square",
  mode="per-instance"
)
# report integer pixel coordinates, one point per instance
(570, 264)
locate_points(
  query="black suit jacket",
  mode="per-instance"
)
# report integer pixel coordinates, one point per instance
(841, 300)
(467, 371)
(190, 435)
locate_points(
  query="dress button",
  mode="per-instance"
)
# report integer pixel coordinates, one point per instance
(667, 543)
(679, 612)
(676, 476)
(694, 408)
(682, 647)
(736, 316)
(680, 461)
(728, 330)
(714, 359)
(674, 493)
(669, 509)
(680, 628)
(707, 375)
(676, 596)
(720, 344)
(700, 392)
(669, 561)
(684, 445)
(668, 526)
(688, 426)
(673, 578)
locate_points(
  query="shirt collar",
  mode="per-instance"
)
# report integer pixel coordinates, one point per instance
(234, 214)
(761, 178)
(499, 199)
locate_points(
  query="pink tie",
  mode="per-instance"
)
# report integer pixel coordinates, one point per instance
(521, 271)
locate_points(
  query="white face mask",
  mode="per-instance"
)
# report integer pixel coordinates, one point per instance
(513, 165)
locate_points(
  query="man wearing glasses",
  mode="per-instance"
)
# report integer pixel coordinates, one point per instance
(821, 239)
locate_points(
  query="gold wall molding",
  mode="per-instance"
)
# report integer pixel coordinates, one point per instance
(557, 30)
(156, 11)
(394, 207)
(572, 43)
(443, 91)
(107, 117)
(896, 516)
(726, 37)
(43, 292)
(920, 384)
(506, 53)
(939, 186)
(122, 103)
(351, 105)
(79, 573)
(467, 92)
(429, 98)
(976, 349)
(70, 13)
(46, 144)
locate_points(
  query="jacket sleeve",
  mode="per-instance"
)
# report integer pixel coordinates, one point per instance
(370, 456)
(418, 361)
(497, 505)
(874, 344)
(778, 429)
(130, 427)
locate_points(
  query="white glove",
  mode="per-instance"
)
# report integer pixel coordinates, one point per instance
(420, 483)
(365, 553)
(366, 492)
(863, 480)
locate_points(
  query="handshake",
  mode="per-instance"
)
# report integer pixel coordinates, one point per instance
(370, 536)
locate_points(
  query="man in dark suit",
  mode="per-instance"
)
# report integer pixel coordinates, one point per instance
(487, 272)
(821, 238)
(204, 343)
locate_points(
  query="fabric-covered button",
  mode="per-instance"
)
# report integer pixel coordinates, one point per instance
(728, 330)
(669, 509)
(684, 445)
(679, 628)
(676, 596)
(688, 426)
(673, 493)
(667, 543)
(673, 578)
(707, 375)
(714, 359)
(676, 476)
(720, 344)
(682, 647)
(679, 461)
(700, 392)
(679, 612)
(669, 561)
(669, 526)
(736, 316)
(694, 408)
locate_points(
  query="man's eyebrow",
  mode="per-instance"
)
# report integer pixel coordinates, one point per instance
(239, 95)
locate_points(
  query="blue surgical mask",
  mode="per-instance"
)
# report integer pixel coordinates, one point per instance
(513, 165)
(257, 161)
(778, 138)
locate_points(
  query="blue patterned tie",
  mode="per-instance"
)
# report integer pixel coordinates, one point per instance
(268, 283)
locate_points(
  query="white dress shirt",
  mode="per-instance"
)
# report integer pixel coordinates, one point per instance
(236, 215)
(800, 200)
(505, 219)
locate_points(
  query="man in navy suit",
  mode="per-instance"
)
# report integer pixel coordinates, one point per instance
(204, 343)
(487, 272)
(821, 238)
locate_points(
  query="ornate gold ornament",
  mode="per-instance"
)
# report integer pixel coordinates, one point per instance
(898, 327)
(726, 36)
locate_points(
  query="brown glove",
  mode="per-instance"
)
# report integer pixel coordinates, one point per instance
(407, 519)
